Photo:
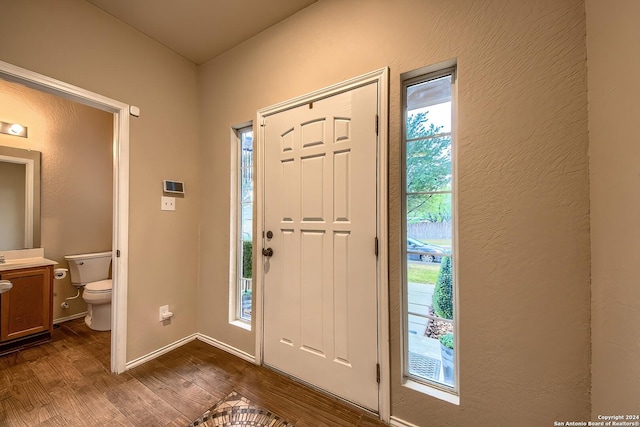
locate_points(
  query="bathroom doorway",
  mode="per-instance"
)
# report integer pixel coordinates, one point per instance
(117, 158)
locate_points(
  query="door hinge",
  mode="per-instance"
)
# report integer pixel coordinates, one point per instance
(376, 246)
(377, 119)
(378, 373)
(117, 253)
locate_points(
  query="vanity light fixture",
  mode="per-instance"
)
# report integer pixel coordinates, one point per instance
(14, 129)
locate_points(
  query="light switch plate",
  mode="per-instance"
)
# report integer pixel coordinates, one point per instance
(162, 311)
(168, 203)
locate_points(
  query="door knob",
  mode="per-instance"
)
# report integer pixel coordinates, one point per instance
(267, 252)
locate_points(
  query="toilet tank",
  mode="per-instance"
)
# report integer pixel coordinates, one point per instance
(85, 268)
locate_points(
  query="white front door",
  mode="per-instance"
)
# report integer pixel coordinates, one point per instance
(320, 284)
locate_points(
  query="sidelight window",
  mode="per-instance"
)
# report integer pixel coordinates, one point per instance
(429, 285)
(242, 244)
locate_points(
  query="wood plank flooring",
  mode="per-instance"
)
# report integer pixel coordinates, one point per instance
(67, 383)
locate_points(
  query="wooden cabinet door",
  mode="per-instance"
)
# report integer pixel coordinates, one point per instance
(26, 308)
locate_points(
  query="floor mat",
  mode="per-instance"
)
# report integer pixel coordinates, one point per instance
(424, 366)
(236, 410)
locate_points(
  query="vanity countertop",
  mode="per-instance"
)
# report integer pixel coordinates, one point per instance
(13, 264)
(24, 258)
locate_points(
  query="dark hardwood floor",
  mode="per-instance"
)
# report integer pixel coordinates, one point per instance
(67, 382)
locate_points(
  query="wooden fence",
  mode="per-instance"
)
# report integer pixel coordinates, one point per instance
(429, 230)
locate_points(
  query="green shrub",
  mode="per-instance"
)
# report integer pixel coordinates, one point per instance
(247, 259)
(447, 340)
(443, 292)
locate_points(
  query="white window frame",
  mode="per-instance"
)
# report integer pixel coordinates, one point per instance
(235, 258)
(432, 388)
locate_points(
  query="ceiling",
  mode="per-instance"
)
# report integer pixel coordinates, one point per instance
(201, 29)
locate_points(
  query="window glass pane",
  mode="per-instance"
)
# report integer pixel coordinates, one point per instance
(247, 252)
(432, 360)
(430, 314)
(429, 217)
(247, 223)
(429, 108)
(429, 122)
(429, 232)
(244, 289)
(246, 166)
(245, 227)
(247, 140)
(428, 164)
(247, 189)
(429, 285)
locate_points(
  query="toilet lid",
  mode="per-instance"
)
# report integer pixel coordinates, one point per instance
(100, 286)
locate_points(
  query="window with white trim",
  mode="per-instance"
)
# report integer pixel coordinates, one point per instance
(429, 285)
(243, 247)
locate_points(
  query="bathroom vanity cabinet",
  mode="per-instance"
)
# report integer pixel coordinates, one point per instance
(26, 311)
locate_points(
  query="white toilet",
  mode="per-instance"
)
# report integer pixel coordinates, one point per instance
(91, 271)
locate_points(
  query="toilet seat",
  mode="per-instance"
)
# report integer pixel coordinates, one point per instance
(99, 287)
(98, 293)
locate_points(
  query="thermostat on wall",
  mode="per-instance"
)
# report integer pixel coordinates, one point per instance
(175, 187)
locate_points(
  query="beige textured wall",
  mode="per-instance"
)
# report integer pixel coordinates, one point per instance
(76, 184)
(75, 42)
(523, 184)
(613, 36)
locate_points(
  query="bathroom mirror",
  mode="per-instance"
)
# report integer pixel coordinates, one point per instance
(19, 198)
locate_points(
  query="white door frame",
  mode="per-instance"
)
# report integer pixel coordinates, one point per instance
(120, 238)
(381, 78)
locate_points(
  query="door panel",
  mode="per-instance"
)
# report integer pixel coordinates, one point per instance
(320, 285)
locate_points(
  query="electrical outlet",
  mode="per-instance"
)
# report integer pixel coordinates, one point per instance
(168, 203)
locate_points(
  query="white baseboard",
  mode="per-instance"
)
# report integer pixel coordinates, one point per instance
(397, 422)
(226, 347)
(159, 352)
(208, 340)
(72, 317)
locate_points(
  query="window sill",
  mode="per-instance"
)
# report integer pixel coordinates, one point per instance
(432, 391)
(241, 324)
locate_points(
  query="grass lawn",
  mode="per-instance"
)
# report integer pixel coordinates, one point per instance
(422, 272)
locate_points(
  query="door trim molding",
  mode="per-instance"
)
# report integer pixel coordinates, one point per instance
(120, 231)
(381, 78)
